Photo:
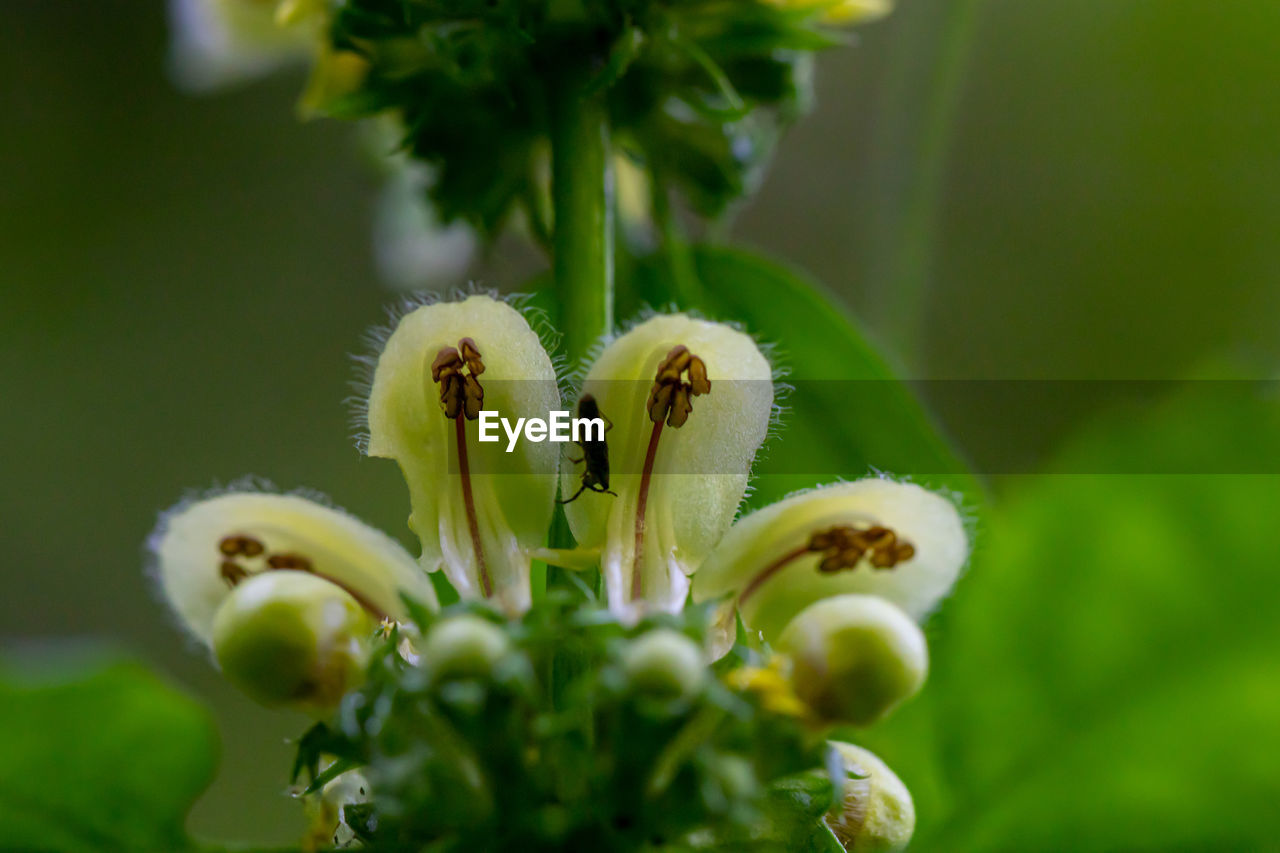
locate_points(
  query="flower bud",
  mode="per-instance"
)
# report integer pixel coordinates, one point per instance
(875, 536)
(291, 639)
(328, 823)
(690, 403)
(204, 549)
(478, 509)
(854, 658)
(464, 647)
(876, 813)
(664, 663)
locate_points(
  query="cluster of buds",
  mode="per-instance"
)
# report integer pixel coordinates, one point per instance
(700, 87)
(831, 582)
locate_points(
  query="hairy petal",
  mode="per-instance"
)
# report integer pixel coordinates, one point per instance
(513, 494)
(699, 471)
(926, 521)
(198, 560)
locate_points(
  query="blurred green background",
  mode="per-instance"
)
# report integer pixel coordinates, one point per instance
(1087, 189)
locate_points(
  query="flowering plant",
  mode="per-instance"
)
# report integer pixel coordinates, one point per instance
(626, 666)
(681, 548)
(500, 721)
(595, 647)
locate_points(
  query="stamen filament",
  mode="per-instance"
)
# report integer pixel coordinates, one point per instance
(469, 503)
(646, 475)
(372, 609)
(771, 570)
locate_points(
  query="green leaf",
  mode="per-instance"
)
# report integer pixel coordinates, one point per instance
(1106, 676)
(848, 413)
(105, 760)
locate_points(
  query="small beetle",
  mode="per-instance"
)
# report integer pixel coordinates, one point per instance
(595, 452)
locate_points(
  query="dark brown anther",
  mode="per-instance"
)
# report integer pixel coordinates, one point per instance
(843, 548)
(659, 402)
(472, 397)
(238, 545)
(890, 556)
(676, 362)
(460, 393)
(447, 362)
(231, 572)
(698, 381)
(670, 398)
(681, 407)
(289, 561)
(471, 355)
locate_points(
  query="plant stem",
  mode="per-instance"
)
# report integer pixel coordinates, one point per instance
(685, 284)
(582, 197)
(913, 146)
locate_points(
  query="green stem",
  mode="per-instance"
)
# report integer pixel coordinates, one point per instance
(685, 284)
(582, 197)
(582, 242)
(913, 147)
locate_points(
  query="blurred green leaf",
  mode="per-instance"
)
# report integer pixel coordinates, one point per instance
(849, 413)
(1106, 676)
(110, 760)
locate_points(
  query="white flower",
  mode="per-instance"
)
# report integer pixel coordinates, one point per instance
(690, 403)
(203, 549)
(478, 510)
(880, 537)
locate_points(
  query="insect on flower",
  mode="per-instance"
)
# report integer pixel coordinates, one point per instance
(595, 452)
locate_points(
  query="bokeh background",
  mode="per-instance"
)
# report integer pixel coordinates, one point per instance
(1084, 189)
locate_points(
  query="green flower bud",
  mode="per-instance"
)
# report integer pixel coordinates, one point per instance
(877, 537)
(854, 658)
(478, 509)
(291, 639)
(464, 647)
(876, 813)
(203, 549)
(690, 403)
(664, 663)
